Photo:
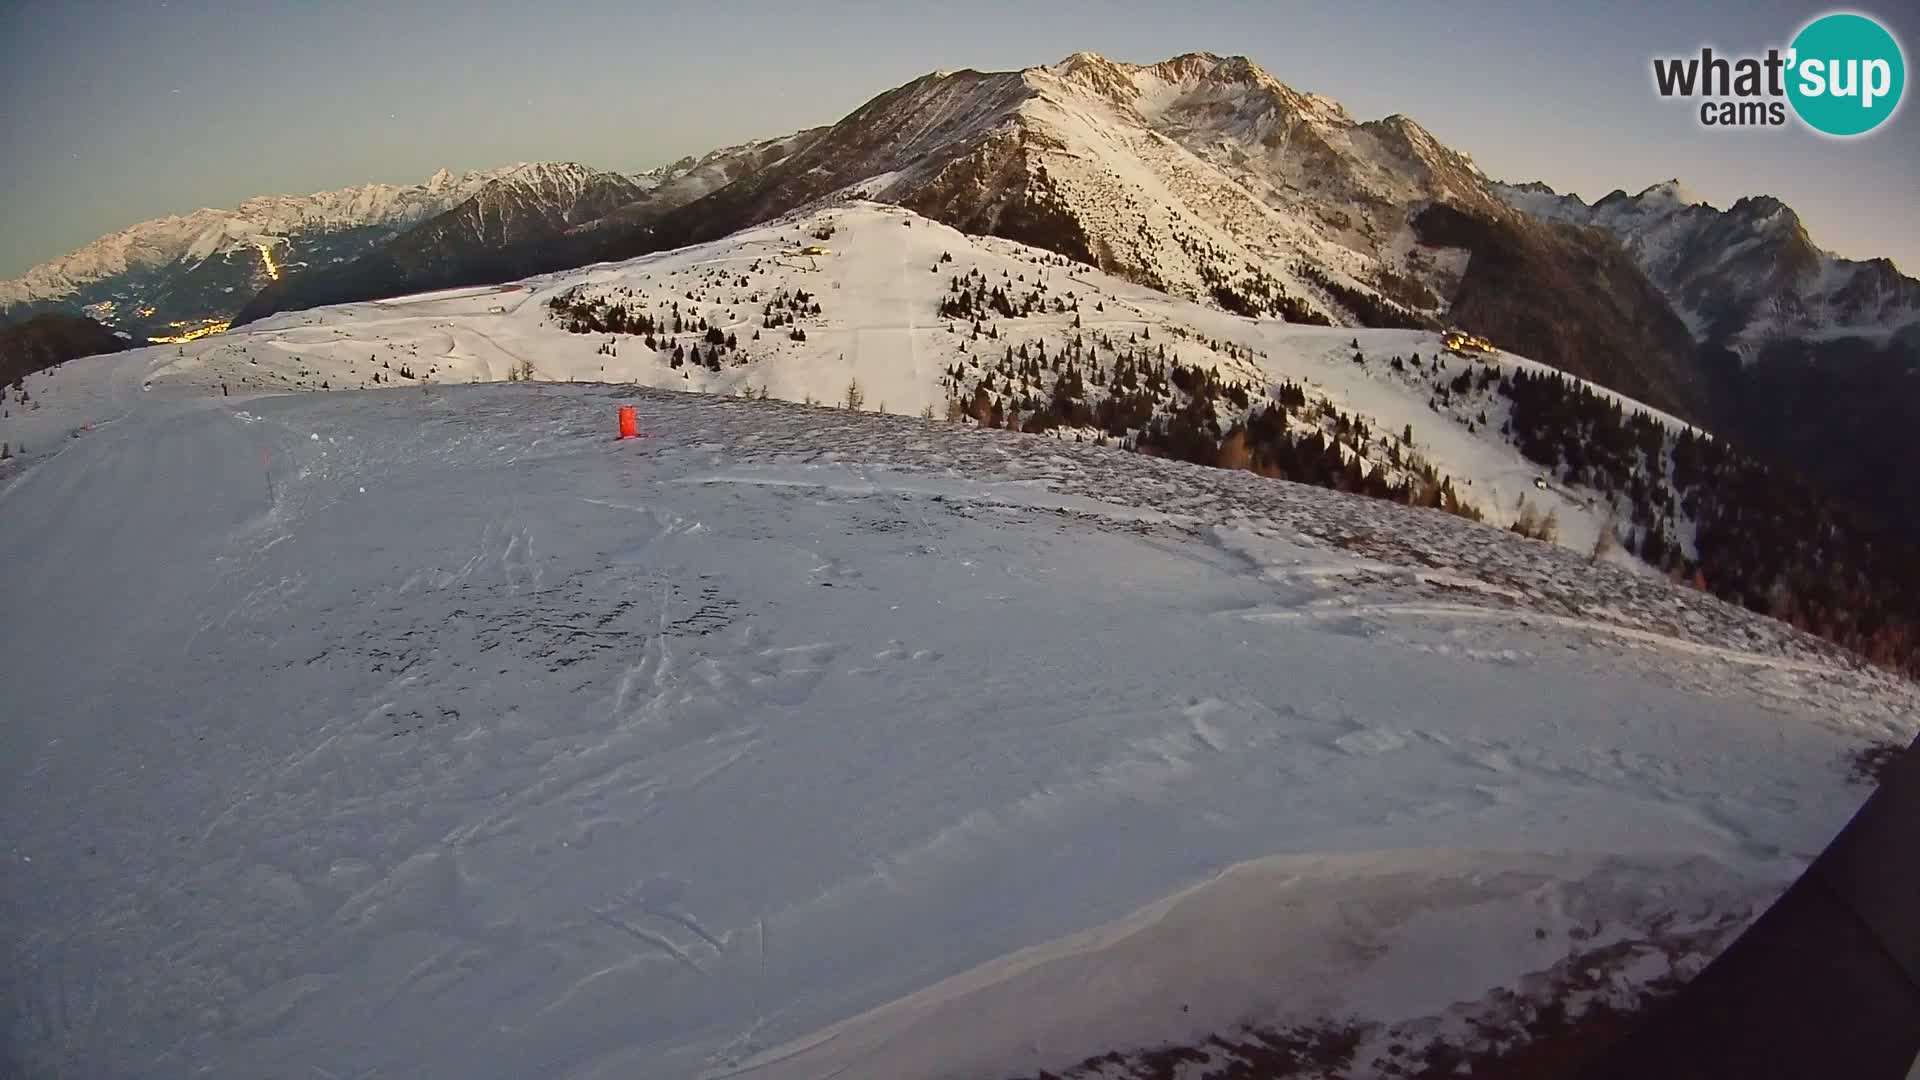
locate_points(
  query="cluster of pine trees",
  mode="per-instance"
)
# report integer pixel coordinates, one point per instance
(580, 313)
(1250, 299)
(1137, 394)
(1764, 537)
(1252, 293)
(783, 307)
(1272, 446)
(970, 297)
(1370, 309)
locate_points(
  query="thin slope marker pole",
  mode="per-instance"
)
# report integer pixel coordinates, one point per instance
(266, 457)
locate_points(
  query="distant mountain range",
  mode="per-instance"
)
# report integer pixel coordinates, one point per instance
(502, 231)
(1202, 176)
(1741, 277)
(1808, 358)
(184, 275)
(174, 275)
(529, 220)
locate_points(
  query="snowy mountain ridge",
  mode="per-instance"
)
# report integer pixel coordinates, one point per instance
(1808, 358)
(1189, 174)
(262, 220)
(1744, 275)
(532, 220)
(1201, 175)
(691, 177)
(177, 243)
(523, 205)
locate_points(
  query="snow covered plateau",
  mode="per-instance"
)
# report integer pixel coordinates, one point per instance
(421, 728)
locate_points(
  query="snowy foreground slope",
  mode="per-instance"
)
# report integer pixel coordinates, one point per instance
(879, 289)
(435, 733)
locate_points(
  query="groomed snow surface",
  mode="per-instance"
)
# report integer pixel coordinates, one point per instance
(432, 732)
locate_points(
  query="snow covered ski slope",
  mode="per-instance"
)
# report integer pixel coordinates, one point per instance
(431, 732)
(878, 289)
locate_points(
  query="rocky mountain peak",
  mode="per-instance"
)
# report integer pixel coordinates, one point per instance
(1094, 72)
(1765, 211)
(1671, 192)
(1208, 67)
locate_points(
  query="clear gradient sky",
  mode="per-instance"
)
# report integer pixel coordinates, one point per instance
(118, 112)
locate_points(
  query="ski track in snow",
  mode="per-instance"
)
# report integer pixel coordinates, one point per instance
(441, 735)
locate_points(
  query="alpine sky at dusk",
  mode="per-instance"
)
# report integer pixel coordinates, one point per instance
(119, 112)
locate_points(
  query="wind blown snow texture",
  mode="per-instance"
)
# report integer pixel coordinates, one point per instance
(437, 734)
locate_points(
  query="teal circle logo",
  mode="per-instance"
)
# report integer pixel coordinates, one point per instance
(1846, 73)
